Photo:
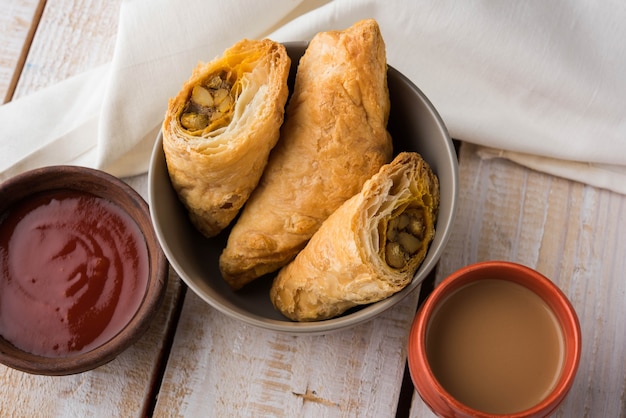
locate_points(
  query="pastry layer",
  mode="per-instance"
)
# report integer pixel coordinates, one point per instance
(368, 249)
(334, 139)
(220, 128)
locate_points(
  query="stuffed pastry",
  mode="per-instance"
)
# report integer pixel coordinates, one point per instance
(367, 250)
(219, 130)
(334, 138)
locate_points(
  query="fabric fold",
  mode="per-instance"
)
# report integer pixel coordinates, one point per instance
(605, 176)
(540, 79)
(52, 126)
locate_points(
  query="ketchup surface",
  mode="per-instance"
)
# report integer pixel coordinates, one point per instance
(73, 272)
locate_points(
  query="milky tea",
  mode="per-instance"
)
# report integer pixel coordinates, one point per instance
(495, 346)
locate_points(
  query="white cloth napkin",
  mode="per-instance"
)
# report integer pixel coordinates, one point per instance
(540, 83)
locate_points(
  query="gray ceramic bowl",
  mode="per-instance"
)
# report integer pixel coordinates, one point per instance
(58, 180)
(414, 125)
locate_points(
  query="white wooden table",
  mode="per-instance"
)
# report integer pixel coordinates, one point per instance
(194, 361)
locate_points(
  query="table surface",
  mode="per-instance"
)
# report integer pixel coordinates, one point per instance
(195, 361)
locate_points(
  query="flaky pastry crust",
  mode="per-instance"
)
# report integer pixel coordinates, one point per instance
(334, 139)
(220, 128)
(368, 249)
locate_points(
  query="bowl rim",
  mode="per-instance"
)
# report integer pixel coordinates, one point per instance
(351, 319)
(155, 286)
(422, 375)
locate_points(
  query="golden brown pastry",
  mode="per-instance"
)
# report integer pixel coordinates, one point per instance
(334, 138)
(219, 130)
(367, 250)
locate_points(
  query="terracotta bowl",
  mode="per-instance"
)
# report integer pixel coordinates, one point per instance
(414, 124)
(427, 385)
(148, 296)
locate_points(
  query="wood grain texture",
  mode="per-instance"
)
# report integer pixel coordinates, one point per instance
(221, 367)
(73, 36)
(572, 233)
(16, 29)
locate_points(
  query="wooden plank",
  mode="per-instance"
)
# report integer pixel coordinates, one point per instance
(220, 366)
(572, 233)
(73, 36)
(18, 21)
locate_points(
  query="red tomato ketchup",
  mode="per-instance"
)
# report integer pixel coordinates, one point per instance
(74, 269)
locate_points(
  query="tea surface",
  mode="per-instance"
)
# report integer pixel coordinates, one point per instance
(495, 346)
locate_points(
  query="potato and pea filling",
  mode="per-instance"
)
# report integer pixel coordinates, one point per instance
(210, 105)
(404, 237)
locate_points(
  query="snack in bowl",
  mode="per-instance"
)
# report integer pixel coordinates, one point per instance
(414, 125)
(219, 130)
(368, 249)
(334, 138)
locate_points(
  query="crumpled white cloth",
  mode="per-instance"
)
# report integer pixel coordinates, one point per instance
(540, 83)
